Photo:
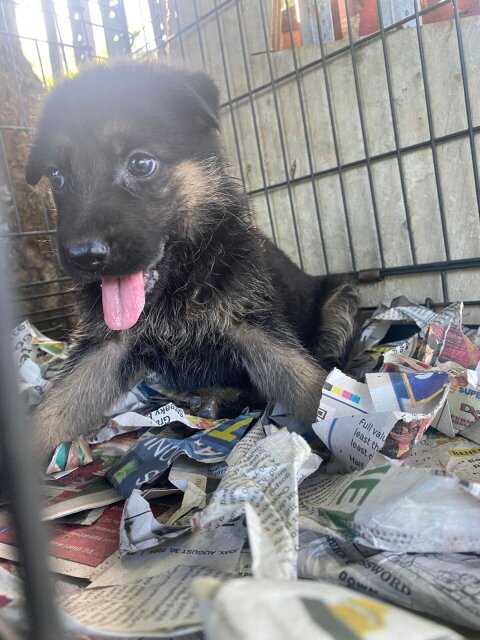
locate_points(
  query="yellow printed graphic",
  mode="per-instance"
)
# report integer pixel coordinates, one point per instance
(464, 453)
(362, 616)
(229, 433)
(337, 391)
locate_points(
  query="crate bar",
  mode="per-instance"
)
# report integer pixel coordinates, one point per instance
(49, 310)
(333, 128)
(12, 127)
(433, 144)
(19, 234)
(82, 31)
(19, 476)
(415, 269)
(306, 134)
(229, 94)
(42, 40)
(179, 31)
(199, 32)
(287, 181)
(467, 303)
(396, 136)
(337, 53)
(62, 317)
(468, 106)
(364, 134)
(376, 158)
(39, 283)
(50, 294)
(60, 43)
(255, 122)
(37, 49)
(115, 27)
(11, 191)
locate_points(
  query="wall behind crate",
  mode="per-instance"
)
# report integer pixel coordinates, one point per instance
(359, 183)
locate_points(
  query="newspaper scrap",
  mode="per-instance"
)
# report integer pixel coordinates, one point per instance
(75, 550)
(446, 586)
(70, 455)
(448, 348)
(388, 413)
(152, 456)
(280, 610)
(402, 308)
(130, 421)
(218, 549)
(394, 507)
(263, 484)
(33, 353)
(390, 317)
(221, 498)
(140, 528)
(151, 607)
(457, 456)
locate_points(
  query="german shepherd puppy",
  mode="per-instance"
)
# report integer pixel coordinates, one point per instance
(173, 274)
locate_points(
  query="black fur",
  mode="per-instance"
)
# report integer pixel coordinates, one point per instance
(227, 308)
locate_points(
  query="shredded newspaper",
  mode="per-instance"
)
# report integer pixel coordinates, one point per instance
(165, 523)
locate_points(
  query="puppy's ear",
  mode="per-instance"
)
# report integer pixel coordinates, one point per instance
(206, 99)
(35, 164)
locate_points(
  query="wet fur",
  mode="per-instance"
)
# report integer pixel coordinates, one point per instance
(228, 309)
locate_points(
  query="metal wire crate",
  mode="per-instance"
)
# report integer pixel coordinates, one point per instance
(359, 148)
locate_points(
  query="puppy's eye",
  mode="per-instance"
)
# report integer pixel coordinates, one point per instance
(56, 177)
(141, 165)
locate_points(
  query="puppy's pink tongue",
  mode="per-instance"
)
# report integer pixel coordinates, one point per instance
(123, 300)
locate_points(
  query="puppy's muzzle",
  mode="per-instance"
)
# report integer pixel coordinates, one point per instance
(89, 256)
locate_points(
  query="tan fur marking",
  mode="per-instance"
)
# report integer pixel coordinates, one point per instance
(199, 183)
(281, 371)
(77, 402)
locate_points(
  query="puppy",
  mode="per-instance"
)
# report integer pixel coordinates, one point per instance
(173, 274)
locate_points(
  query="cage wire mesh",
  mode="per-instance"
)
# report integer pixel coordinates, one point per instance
(353, 125)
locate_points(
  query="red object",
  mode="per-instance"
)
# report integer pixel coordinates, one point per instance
(368, 17)
(465, 8)
(285, 39)
(86, 545)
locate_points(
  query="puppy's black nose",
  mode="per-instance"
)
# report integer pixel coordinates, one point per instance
(88, 256)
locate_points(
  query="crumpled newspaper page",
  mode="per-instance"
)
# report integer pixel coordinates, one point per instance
(380, 507)
(445, 585)
(219, 549)
(34, 355)
(244, 609)
(402, 308)
(263, 484)
(457, 456)
(75, 550)
(238, 498)
(436, 383)
(401, 311)
(151, 607)
(388, 413)
(154, 454)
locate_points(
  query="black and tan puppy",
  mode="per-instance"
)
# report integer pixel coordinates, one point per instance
(173, 274)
